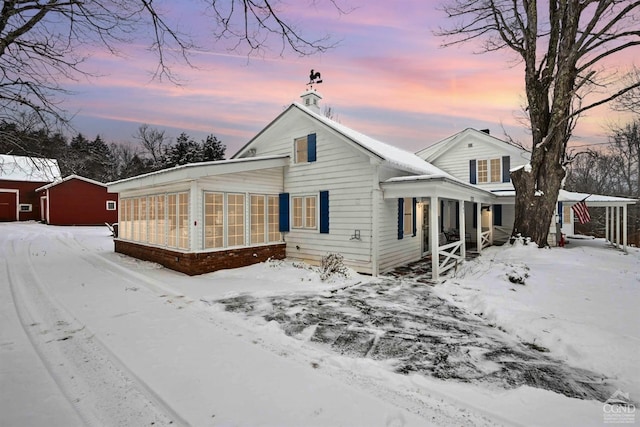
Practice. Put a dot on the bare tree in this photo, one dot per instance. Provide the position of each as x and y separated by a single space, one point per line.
44 43
630 101
567 48
153 141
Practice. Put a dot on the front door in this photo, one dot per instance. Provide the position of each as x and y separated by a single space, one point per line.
425 229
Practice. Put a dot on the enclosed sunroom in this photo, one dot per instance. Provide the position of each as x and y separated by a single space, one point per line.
203 217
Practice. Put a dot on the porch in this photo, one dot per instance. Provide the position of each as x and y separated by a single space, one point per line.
452 217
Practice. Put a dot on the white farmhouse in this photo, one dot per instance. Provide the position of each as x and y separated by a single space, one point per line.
306 186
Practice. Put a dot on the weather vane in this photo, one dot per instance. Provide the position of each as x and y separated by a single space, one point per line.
314 78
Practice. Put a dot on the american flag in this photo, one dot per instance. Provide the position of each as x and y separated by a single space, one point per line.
582 212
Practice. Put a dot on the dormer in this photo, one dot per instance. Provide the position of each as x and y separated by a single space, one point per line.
311 99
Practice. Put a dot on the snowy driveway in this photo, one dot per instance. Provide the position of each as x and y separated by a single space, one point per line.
402 321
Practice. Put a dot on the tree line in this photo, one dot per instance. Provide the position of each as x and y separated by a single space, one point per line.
150 150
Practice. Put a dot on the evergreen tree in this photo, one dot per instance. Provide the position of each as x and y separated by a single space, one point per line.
212 149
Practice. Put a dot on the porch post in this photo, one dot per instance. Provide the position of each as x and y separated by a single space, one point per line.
606 223
462 229
196 220
624 228
478 214
617 227
434 233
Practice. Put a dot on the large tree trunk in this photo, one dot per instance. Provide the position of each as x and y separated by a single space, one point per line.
536 195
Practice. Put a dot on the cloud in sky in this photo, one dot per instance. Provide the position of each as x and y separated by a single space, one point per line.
388 78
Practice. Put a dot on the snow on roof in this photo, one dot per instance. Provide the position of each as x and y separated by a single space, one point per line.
570 196
30 169
68 178
199 166
395 156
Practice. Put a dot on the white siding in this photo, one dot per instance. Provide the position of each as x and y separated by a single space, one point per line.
342 170
394 251
456 159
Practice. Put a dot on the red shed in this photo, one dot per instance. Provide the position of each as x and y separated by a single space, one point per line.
19 178
76 200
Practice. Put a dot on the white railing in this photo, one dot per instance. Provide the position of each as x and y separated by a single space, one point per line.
450 255
485 239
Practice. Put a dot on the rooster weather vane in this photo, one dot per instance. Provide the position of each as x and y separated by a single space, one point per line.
314 78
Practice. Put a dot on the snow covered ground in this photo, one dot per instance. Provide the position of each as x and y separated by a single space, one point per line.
90 337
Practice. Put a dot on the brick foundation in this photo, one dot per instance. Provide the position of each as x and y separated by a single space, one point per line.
201 262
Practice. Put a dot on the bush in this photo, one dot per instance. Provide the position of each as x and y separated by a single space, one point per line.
332 264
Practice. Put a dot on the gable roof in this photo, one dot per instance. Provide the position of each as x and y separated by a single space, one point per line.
433 152
28 169
68 178
394 156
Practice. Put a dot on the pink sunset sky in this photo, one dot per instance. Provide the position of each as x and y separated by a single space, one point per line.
388 78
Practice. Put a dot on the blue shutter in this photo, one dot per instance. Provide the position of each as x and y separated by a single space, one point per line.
400 218
283 216
475 215
441 215
506 165
415 224
457 215
324 212
497 215
311 147
472 171
560 213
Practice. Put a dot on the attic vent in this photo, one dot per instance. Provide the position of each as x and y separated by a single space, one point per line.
487 131
470 145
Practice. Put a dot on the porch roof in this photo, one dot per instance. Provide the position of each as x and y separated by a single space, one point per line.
193 171
436 185
594 200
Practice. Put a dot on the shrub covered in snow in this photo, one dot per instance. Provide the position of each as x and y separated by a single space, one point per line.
332 264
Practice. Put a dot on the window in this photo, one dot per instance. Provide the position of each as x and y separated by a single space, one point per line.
297 212
183 220
151 218
136 219
567 213
161 220
408 216
235 219
143 219
305 149
273 218
172 213
213 220
304 212
489 171
482 171
111 205
301 150
26 207
258 220
495 170
124 230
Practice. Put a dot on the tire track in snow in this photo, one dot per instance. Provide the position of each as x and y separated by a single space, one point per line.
95 382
